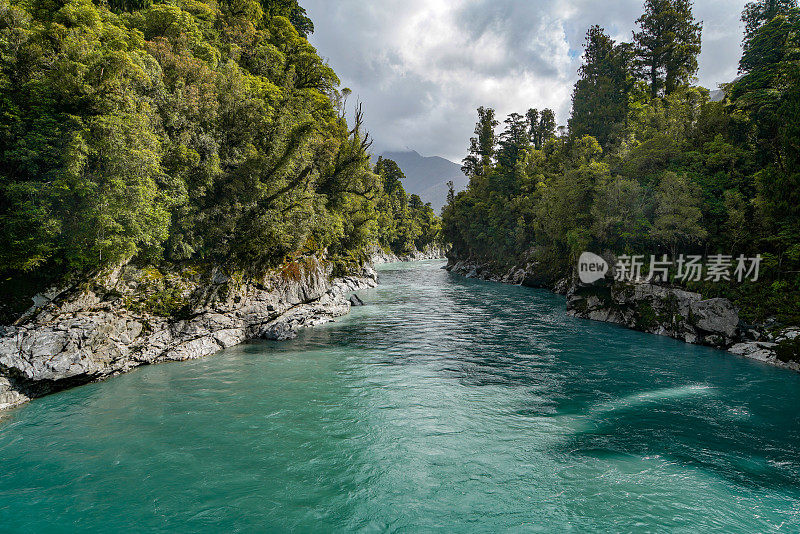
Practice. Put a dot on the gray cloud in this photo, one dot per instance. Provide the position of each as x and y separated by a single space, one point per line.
422 67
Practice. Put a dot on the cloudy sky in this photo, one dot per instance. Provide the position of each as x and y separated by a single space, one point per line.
422 67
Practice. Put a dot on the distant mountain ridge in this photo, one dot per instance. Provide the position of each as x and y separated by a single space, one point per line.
428 176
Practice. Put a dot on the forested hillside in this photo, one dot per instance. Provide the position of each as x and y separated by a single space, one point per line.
177 131
648 164
405 223
429 176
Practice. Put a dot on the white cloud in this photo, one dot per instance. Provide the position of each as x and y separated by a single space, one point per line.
422 67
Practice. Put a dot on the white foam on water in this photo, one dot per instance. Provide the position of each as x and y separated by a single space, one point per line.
599 412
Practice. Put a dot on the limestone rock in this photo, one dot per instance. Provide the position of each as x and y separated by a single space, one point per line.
431 252
717 316
658 310
761 351
652 308
74 338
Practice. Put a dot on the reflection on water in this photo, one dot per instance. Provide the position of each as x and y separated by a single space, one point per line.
444 404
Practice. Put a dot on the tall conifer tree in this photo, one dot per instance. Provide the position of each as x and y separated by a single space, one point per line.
667 44
600 98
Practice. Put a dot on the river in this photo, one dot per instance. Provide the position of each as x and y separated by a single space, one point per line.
444 404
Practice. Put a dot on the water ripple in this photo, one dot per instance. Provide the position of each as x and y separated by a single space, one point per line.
444 404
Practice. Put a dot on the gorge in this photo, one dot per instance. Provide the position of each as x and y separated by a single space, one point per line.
191 183
444 403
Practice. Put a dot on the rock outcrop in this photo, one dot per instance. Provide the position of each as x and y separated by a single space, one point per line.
529 275
431 252
134 317
658 310
684 315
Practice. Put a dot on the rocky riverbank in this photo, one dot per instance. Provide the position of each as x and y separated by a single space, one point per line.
656 309
432 252
131 317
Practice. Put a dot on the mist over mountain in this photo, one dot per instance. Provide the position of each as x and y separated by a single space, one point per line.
428 176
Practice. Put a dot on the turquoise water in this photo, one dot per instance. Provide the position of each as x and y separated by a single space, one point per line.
445 404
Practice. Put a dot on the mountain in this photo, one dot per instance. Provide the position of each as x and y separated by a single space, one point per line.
428 176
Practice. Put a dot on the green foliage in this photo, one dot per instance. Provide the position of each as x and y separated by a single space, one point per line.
756 14
601 96
620 214
292 11
789 350
667 44
514 140
167 302
174 130
483 146
646 317
542 126
677 213
768 93
657 169
405 223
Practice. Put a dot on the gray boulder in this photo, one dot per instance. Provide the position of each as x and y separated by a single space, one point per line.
658 310
134 317
756 350
716 316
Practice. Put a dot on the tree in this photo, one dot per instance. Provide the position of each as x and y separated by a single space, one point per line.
451 192
600 98
291 10
736 224
482 147
405 223
620 214
81 176
542 126
685 172
678 215
128 5
563 216
487 138
769 93
391 174
203 131
758 13
667 44
471 165
533 122
513 141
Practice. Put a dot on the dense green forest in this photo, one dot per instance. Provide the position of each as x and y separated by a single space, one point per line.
405 223
649 164
181 131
